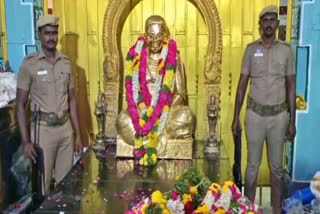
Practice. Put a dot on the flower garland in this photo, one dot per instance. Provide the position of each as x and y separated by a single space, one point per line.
149 113
193 194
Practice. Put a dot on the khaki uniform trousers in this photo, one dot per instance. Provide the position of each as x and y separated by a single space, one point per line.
272 129
57 145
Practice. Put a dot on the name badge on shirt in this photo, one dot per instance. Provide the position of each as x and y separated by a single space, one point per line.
258 53
42 72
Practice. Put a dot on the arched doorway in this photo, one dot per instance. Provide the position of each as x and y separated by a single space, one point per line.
114 19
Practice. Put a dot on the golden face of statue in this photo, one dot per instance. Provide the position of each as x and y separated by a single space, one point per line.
156 30
155 36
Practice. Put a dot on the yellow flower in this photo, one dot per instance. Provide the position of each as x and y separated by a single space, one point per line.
166 211
194 191
153 140
250 212
142 122
226 186
178 178
144 208
220 211
141 162
154 158
128 67
166 42
149 111
215 188
145 157
225 189
137 58
138 143
142 105
169 78
158 198
186 198
166 108
160 67
204 209
136 67
229 183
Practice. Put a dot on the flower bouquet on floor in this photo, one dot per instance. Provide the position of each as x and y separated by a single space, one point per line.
193 193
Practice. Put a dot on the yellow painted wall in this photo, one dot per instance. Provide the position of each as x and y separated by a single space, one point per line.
81 39
3 36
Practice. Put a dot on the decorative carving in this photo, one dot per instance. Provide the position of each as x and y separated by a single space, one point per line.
213 70
111 68
114 19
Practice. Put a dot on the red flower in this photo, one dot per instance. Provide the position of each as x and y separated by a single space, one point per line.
188 207
175 196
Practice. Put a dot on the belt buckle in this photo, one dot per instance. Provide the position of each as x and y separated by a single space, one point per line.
51 115
60 114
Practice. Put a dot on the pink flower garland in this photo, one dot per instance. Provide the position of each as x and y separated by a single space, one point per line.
165 97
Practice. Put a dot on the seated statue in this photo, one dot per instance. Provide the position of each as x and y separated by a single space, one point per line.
156 94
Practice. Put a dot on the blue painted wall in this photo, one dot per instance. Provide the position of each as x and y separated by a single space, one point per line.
21 36
306 42
1 55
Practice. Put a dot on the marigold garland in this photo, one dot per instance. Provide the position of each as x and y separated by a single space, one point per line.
149 113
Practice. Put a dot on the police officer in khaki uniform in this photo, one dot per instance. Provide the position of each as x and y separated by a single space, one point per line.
270 65
46 76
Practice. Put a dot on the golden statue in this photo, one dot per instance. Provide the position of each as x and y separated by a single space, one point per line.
213 110
100 112
300 103
156 94
213 116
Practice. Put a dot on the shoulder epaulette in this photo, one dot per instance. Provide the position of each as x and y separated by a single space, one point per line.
284 43
253 43
29 56
65 57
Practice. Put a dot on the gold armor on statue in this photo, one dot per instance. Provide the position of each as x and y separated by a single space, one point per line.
180 124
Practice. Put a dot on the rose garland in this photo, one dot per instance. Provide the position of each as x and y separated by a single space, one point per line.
149 113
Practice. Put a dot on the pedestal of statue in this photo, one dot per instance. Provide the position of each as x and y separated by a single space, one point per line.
173 149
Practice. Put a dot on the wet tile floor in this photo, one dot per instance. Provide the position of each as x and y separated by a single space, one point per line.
109 185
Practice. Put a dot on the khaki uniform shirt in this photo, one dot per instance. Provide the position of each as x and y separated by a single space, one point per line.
268 68
48 83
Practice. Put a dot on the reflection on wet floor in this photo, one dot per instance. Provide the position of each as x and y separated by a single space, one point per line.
109 185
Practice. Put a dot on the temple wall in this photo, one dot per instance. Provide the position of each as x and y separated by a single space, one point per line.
81 39
302 155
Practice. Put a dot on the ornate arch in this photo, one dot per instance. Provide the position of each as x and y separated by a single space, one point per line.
114 19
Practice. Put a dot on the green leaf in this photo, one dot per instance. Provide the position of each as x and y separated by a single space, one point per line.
128 78
151 151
